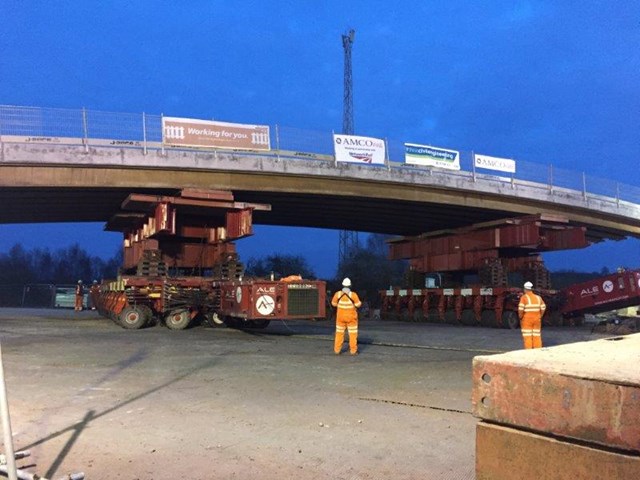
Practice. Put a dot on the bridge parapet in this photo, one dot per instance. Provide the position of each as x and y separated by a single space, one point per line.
107 144
19 150
90 128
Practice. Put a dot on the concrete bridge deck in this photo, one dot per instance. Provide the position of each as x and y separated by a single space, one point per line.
63 182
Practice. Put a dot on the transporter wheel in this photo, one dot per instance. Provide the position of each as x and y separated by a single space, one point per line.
488 318
178 319
468 317
433 316
132 317
214 320
148 315
510 319
114 318
450 317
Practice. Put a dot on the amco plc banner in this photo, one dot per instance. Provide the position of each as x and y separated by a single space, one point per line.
431 156
188 132
350 148
494 163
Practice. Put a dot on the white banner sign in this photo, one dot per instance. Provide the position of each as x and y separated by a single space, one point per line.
350 148
427 155
494 163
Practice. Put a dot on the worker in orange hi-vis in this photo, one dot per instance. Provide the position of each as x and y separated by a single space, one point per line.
79 296
347 303
531 310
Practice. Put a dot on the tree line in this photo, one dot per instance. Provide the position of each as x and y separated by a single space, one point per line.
64 266
367 266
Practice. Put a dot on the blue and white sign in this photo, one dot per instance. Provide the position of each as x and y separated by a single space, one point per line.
354 149
494 163
426 155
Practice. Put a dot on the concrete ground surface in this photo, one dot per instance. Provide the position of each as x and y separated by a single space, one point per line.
218 403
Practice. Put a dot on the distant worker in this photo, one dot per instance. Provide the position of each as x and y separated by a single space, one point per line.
531 310
346 303
79 296
94 290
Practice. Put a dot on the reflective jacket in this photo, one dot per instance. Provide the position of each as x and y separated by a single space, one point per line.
531 306
346 303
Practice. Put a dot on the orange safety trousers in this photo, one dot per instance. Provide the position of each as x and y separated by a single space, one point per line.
79 301
350 324
346 303
530 325
531 308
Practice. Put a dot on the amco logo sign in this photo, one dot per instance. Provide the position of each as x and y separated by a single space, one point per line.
359 142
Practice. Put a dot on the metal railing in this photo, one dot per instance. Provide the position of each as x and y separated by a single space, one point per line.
145 130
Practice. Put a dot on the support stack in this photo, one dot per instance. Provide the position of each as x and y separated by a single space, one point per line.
564 412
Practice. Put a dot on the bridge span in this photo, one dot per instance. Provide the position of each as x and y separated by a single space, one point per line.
50 182
53 170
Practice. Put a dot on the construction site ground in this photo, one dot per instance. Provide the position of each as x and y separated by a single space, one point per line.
218 403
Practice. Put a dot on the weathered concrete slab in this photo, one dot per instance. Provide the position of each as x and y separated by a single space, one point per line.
504 453
97 166
588 391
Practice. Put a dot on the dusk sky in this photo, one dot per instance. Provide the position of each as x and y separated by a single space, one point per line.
551 82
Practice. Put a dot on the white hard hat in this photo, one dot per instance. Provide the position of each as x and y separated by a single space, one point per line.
528 285
79 281
346 282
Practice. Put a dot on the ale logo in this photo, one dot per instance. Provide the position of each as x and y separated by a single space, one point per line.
608 286
265 305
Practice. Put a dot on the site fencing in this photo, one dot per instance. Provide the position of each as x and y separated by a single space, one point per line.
145 131
38 295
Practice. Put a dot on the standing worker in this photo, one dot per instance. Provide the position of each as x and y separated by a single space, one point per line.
79 296
531 310
347 303
94 290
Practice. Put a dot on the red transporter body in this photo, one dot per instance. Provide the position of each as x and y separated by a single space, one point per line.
603 294
260 300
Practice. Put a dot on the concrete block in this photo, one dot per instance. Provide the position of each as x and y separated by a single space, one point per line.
588 391
504 453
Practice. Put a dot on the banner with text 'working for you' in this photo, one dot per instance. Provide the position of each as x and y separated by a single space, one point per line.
188 132
350 148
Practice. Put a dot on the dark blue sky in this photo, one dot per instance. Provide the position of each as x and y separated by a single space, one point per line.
538 81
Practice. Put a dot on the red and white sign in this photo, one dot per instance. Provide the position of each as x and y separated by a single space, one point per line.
353 149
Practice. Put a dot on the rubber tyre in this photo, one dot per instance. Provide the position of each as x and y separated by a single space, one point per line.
434 316
450 317
510 319
468 317
178 319
148 315
132 318
488 319
214 320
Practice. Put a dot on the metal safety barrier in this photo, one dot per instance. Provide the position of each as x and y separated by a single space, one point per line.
144 131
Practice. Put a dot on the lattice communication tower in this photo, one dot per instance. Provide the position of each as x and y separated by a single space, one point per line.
348 240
